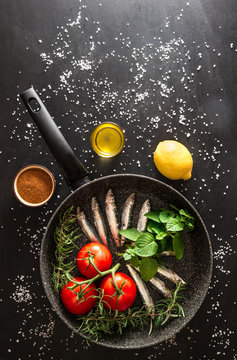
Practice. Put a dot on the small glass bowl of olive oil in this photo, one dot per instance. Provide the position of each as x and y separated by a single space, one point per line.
107 139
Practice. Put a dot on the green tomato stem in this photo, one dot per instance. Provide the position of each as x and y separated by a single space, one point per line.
90 281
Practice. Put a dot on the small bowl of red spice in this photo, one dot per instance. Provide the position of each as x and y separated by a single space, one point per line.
34 185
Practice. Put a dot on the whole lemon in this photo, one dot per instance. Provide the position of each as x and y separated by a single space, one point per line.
173 160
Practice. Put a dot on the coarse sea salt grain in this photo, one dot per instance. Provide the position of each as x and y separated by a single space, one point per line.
21 294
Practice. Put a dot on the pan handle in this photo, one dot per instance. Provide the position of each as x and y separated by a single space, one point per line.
72 168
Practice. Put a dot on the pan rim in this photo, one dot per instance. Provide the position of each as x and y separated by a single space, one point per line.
187 318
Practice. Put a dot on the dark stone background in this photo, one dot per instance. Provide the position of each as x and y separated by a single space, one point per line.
162 70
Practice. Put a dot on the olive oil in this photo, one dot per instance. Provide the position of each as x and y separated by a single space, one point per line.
107 139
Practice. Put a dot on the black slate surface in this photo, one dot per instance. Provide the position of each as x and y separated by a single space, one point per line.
161 70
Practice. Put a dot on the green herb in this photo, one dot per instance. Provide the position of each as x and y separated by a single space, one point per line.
148 268
164 232
128 254
135 261
146 245
174 224
153 215
65 236
103 321
178 246
164 216
130 234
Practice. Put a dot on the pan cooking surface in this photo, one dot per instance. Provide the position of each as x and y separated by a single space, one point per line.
195 267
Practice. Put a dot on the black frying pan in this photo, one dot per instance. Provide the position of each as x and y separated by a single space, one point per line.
195 267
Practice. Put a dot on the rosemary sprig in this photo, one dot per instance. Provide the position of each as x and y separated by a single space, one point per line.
65 236
103 321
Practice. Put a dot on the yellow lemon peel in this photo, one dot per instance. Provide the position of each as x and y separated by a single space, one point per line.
173 160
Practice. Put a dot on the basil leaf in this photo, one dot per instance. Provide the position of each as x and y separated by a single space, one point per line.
130 234
166 215
153 215
148 268
146 236
189 224
145 245
134 261
127 256
155 227
161 235
163 244
182 212
185 213
178 246
150 225
174 225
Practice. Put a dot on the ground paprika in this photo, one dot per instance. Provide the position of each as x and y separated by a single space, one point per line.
34 185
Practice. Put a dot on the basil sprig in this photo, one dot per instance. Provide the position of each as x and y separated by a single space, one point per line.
164 232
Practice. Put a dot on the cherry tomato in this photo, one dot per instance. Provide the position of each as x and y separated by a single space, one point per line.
101 256
128 291
85 303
